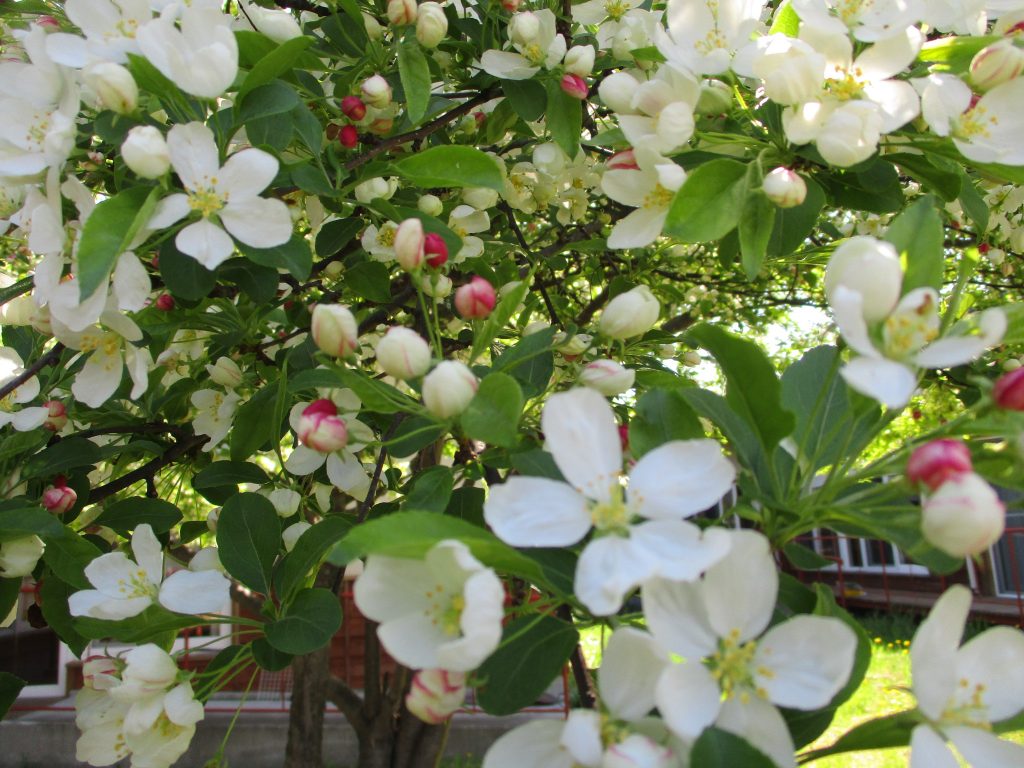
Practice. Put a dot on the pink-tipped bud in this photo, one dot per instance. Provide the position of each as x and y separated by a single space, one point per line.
402 12
435 694
996 64
58 498
409 243
348 136
964 516
57 416
511 5
785 188
376 91
165 302
575 86
607 377
623 161
49 23
353 108
100 673
1009 390
320 427
435 249
334 329
475 299
934 463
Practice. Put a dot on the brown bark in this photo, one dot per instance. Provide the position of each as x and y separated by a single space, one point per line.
306 716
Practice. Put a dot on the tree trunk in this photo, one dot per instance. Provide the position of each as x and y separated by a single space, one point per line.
306 716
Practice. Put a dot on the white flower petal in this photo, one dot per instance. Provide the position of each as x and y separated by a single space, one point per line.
131 283
887 381
537 512
677 549
205 242
640 228
196 592
390 587
507 65
688 699
631 664
993 664
181 706
258 221
536 743
677 618
413 640
168 211
246 173
762 725
581 736
740 590
193 153
304 461
808 659
934 647
347 473
928 750
982 749
608 569
679 479
149 552
99 378
580 430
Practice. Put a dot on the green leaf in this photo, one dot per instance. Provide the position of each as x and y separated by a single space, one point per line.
10 687
248 538
662 415
741 435
348 34
755 231
371 280
308 623
530 361
720 749
882 733
53 599
183 276
786 21
412 534
228 474
192 529
309 551
295 256
259 283
415 76
955 53
451 166
708 205
493 413
973 204
335 235
146 627
68 554
273 98
108 232
532 653
28 521
375 395
430 490
59 458
536 463
253 425
918 236
274 64
268 657
752 388
527 98
564 118
793 225
308 127
507 306
414 434
126 515
946 184
467 503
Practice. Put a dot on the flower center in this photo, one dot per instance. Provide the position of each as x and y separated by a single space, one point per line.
615 9
534 54
611 516
445 610
138 585
845 84
966 706
659 197
974 122
207 201
849 10
731 666
386 237
907 331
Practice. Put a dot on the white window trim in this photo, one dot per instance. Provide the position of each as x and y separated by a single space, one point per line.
994 559
844 543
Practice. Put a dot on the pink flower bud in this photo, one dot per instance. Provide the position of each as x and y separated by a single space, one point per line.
320 427
403 353
936 462
607 377
100 673
348 136
435 694
1009 390
435 249
623 161
165 302
785 188
409 242
353 108
964 516
48 23
575 86
475 299
334 329
996 64
511 5
58 498
57 417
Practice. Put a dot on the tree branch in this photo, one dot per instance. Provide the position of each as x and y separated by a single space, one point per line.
348 703
302 5
48 359
148 471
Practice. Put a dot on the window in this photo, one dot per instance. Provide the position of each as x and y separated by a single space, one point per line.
1008 557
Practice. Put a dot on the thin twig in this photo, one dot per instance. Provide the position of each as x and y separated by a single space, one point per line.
48 359
146 472
371 494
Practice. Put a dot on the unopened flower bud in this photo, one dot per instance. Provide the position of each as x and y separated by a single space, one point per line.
435 249
630 314
435 285
475 299
607 377
353 108
574 346
574 86
996 64
372 189
937 461
511 5
870 267
617 91
435 694
164 302
211 519
320 427
58 498
348 136
225 372
18 557
401 12
409 244
113 85
382 126
145 152
100 673
623 161
403 353
431 205
374 30
376 91
1009 390
523 28
448 389
334 329
285 500
785 188
579 60
715 98
691 358
291 534
964 516
431 25
57 417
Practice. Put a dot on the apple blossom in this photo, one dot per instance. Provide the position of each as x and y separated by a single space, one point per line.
1008 391
650 189
201 57
334 329
607 377
403 353
443 611
629 314
579 60
671 482
113 85
871 267
449 388
279 25
537 45
408 245
225 372
26 418
436 285
792 70
215 414
574 86
435 694
785 188
56 415
435 249
372 189
937 461
465 220
145 151
430 205
18 557
58 498
401 12
962 690
996 64
702 38
320 427
431 24
353 108
963 516
475 299
291 534
286 501
376 92
344 469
